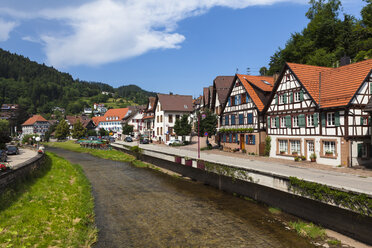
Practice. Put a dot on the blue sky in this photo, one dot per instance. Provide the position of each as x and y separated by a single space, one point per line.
159 45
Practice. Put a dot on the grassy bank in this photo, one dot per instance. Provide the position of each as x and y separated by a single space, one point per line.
53 208
105 154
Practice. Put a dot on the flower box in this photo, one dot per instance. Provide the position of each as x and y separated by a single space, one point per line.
177 159
313 159
282 152
200 165
188 162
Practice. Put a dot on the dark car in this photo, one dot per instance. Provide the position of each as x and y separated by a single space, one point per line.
12 150
3 156
128 139
144 141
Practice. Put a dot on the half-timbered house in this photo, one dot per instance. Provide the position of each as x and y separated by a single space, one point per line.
319 111
221 87
242 120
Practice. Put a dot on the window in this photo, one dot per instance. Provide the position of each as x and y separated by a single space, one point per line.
170 118
363 120
362 151
177 117
157 119
250 139
282 99
250 118
243 97
310 120
297 96
157 131
232 101
295 146
227 120
330 119
161 118
295 121
329 147
161 131
241 119
283 146
273 122
282 122
229 102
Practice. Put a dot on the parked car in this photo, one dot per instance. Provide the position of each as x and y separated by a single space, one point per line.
3 156
145 141
12 150
128 139
173 142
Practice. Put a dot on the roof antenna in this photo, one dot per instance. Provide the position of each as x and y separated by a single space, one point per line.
236 70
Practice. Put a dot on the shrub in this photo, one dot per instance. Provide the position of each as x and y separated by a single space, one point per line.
267 146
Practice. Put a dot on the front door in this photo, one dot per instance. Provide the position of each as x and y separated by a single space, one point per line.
242 143
310 149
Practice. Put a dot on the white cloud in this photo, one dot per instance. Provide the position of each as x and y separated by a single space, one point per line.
104 31
5 29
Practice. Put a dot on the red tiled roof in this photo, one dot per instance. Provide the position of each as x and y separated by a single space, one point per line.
33 119
97 119
258 81
338 85
113 113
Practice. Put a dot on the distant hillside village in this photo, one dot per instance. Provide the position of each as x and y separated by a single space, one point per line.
304 111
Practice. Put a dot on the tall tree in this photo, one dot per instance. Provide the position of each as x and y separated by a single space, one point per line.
62 130
127 129
4 133
182 126
78 130
208 124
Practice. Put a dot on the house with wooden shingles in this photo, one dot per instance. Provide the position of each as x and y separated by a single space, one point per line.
321 111
242 120
168 108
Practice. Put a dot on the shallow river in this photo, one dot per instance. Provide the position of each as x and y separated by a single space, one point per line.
138 207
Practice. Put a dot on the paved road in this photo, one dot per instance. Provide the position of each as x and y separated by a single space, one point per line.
138 207
330 178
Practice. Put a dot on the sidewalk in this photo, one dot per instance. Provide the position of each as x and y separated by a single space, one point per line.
333 178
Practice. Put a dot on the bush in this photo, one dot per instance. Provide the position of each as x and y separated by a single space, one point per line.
267 146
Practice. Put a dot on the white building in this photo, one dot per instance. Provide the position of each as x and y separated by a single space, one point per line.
112 121
168 108
35 125
135 119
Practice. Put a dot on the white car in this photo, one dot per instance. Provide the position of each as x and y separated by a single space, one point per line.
174 141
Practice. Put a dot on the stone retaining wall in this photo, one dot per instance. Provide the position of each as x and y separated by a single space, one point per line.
22 171
272 190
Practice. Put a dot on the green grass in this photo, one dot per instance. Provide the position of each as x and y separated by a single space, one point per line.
52 208
308 230
334 242
105 154
274 210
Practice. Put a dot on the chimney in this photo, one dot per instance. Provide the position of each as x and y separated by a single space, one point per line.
276 76
345 60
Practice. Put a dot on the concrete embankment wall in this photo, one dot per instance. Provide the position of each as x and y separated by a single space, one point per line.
272 190
22 171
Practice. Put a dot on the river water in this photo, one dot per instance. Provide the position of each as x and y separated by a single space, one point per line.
137 207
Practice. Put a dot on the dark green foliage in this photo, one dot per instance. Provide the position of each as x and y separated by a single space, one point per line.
51 129
127 129
62 130
267 146
103 132
208 124
4 133
134 93
327 37
182 127
92 132
78 130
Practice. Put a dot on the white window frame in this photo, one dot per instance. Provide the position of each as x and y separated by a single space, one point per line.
329 146
282 122
295 121
297 96
331 119
281 99
283 146
310 120
295 146
273 120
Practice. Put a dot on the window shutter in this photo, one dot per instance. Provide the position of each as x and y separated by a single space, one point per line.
361 121
285 98
323 119
337 119
226 120
276 99
232 119
246 97
315 119
229 103
224 137
230 137
253 139
360 147
241 119
301 120
288 121
246 139
370 88
291 97
250 119
277 121
236 138
301 95
268 121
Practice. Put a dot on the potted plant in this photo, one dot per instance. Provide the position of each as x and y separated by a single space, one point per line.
177 159
303 158
200 164
244 151
3 167
282 152
188 161
297 159
313 157
329 153
294 153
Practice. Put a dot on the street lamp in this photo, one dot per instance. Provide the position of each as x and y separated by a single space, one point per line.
203 116
37 140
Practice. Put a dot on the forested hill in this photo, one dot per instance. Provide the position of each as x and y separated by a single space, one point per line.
327 37
39 88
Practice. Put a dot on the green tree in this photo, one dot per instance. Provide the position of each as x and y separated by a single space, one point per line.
4 133
78 130
62 130
208 124
92 132
263 71
51 129
103 132
127 129
182 126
